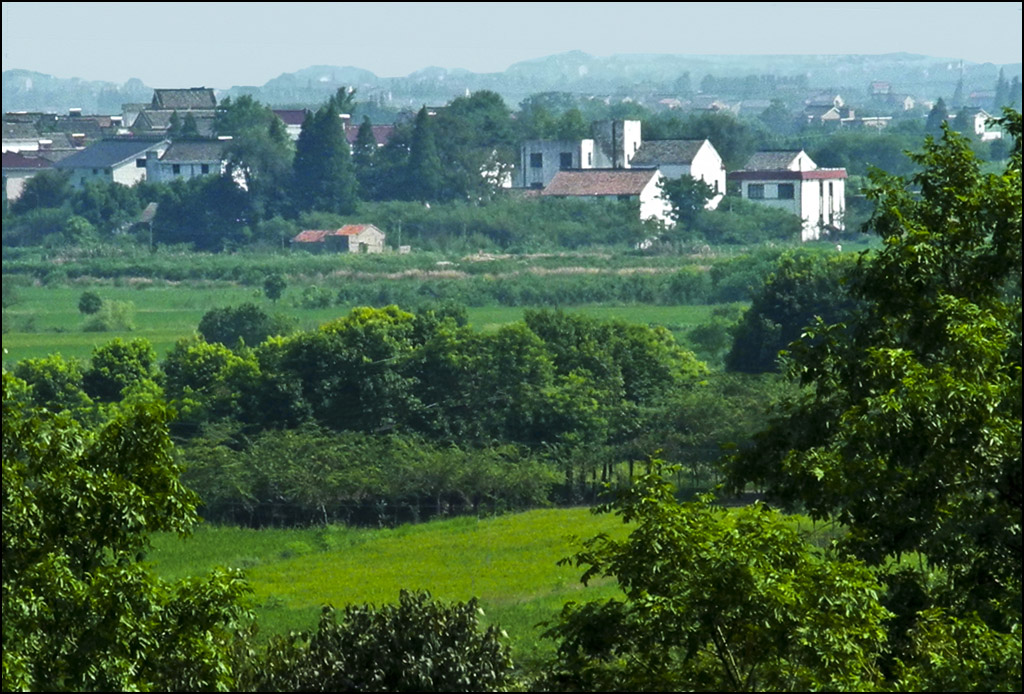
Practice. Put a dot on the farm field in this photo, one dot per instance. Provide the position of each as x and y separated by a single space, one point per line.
508 562
46 320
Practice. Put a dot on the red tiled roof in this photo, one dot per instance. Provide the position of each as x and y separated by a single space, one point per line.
381 133
318 235
600 182
291 116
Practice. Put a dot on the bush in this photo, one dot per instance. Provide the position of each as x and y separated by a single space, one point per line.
418 645
90 303
112 316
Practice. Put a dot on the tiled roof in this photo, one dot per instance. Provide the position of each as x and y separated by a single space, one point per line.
160 121
195 150
107 153
587 182
381 133
291 116
17 160
318 235
775 160
184 99
655 152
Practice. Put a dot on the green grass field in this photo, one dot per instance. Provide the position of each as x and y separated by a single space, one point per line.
508 562
46 320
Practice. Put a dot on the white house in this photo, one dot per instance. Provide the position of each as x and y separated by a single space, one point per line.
791 181
17 169
675 158
612 146
119 160
540 160
186 159
638 186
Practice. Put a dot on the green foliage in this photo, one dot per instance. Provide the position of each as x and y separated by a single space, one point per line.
716 601
804 288
47 189
424 178
418 645
80 612
323 176
117 366
274 286
688 197
247 323
54 383
90 303
911 435
112 316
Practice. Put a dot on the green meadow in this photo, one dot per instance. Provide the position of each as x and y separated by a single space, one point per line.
508 562
45 319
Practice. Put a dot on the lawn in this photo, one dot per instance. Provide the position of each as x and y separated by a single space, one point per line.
508 562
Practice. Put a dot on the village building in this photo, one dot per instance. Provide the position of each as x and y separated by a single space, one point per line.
640 187
118 160
791 181
351 238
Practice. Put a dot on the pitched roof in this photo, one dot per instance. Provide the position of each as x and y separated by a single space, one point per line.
107 153
195 150
587 182
319 235
160 120
295 116
20 130
17 160
774 160
184 99
655 152
381 133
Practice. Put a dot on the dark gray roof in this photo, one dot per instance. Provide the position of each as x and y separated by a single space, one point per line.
107 153
204 151
160 121
20 131
184 99
655 152
775 160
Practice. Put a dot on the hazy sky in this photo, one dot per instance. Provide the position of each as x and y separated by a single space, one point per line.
221 45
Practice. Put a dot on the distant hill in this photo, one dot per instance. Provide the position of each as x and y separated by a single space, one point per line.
619 75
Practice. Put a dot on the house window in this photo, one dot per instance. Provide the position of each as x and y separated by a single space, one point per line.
205 168
176 169
140 163
624 198
565 160
830 188
785 191
536 160
755 191
537 185
590 158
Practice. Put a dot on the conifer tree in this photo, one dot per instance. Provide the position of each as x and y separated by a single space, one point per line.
323 176
424 175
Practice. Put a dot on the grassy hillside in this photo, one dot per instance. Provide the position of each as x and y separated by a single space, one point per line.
509 562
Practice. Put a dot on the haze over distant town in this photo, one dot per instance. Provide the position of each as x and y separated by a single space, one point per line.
226 44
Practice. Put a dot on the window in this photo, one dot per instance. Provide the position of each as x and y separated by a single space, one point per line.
205 168
590 158
785 191
565 160
176 169
624 198
536 160
140 163
755 191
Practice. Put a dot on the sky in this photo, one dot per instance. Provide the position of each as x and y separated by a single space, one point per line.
226 44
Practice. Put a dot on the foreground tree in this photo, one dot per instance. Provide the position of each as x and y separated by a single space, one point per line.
80 611
716 601
418 645
911 434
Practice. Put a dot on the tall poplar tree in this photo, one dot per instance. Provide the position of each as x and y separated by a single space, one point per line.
323 177
425 179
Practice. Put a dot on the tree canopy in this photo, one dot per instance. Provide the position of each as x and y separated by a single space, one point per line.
911 434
